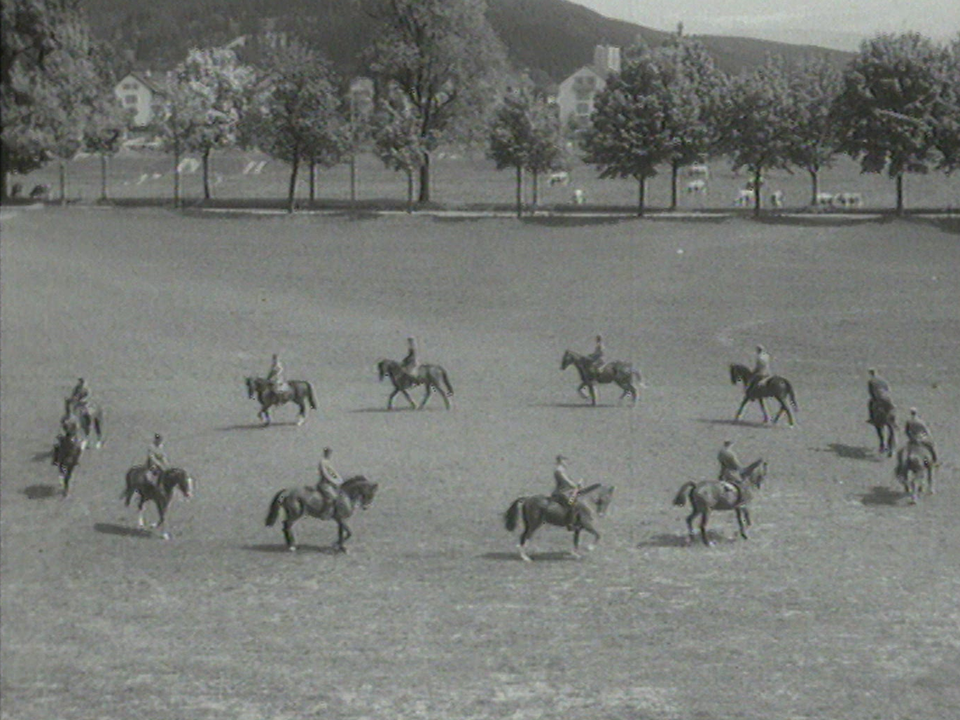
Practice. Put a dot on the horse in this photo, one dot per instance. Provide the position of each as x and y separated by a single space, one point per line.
539 509
774 386
711 495
300 392
913 462
883 417
66 456
88 416
433 376
621 373
159 492
297 502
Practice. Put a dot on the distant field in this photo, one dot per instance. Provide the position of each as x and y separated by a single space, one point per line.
461 180
841 606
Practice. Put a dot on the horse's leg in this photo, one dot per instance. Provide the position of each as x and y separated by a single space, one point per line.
426 395
446 400
742 406
703 528
690 518
530 526
581 391
785 408
288 535
264 415
929 466
763 409
576 542
593 394
140 506
303 413
343 534
742 522
879 429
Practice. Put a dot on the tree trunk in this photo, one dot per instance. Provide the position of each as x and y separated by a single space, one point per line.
206 173
409 190
536 190
62 171
899 194
757 191
425 179
4 173
103 177
292 190
176 174
313 181
641 195
674 173
519 191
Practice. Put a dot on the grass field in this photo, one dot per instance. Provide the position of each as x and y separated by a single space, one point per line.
842 605
468 180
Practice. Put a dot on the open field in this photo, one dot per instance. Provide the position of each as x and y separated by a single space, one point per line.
842 605
461 180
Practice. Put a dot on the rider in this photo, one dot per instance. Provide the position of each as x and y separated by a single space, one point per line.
329 483
879 391
730 468
275 376
565 490
597 358
411 364
156 459
761 367
77 399
918 432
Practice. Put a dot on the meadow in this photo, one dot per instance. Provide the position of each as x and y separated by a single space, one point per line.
842 604
465 180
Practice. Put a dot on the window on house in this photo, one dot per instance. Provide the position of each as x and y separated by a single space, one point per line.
583 108
130 100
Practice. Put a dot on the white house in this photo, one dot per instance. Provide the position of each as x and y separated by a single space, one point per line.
140 93
576 94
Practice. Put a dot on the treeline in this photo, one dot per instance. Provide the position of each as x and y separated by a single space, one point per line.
440 75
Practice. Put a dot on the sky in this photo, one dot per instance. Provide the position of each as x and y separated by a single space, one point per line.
840 24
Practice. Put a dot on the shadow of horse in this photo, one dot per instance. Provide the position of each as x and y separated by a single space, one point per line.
736 423
122 530
41 492
257 426
851 452
882 495
548 556
41 456
669 540
272 548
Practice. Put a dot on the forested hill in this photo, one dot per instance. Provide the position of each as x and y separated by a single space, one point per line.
548 38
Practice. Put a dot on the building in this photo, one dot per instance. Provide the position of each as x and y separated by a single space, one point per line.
140 93
576 94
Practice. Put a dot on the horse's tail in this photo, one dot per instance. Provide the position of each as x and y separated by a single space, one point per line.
793 398
512 514
683 493
311 398
275 506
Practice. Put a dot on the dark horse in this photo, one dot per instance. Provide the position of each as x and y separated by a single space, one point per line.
300 392
539 509
883 416
66 456
618 372
297 502
711 495
159 492
773 386
88 417
433 376
913 462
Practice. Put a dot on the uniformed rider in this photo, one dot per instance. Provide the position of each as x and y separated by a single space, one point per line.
730 468
156 459
328 483
275 376
917 431
565 490
411 362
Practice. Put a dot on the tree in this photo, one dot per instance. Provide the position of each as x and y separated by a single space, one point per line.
443 57
397 139
753 121
691 89
297 114
629 135
889 107
812 134
46 77
213 86
947 126
525 135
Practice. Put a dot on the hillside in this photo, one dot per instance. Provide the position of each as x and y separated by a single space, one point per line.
548 38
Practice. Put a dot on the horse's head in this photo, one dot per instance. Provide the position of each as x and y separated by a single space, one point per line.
569 357
369 489
251 386
602 499
361 490
740 373
185 485
755 473
382 369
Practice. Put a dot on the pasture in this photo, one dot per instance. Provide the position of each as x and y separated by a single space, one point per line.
842 604
464 179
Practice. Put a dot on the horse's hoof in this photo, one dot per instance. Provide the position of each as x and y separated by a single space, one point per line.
525 557
164 536
292 548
